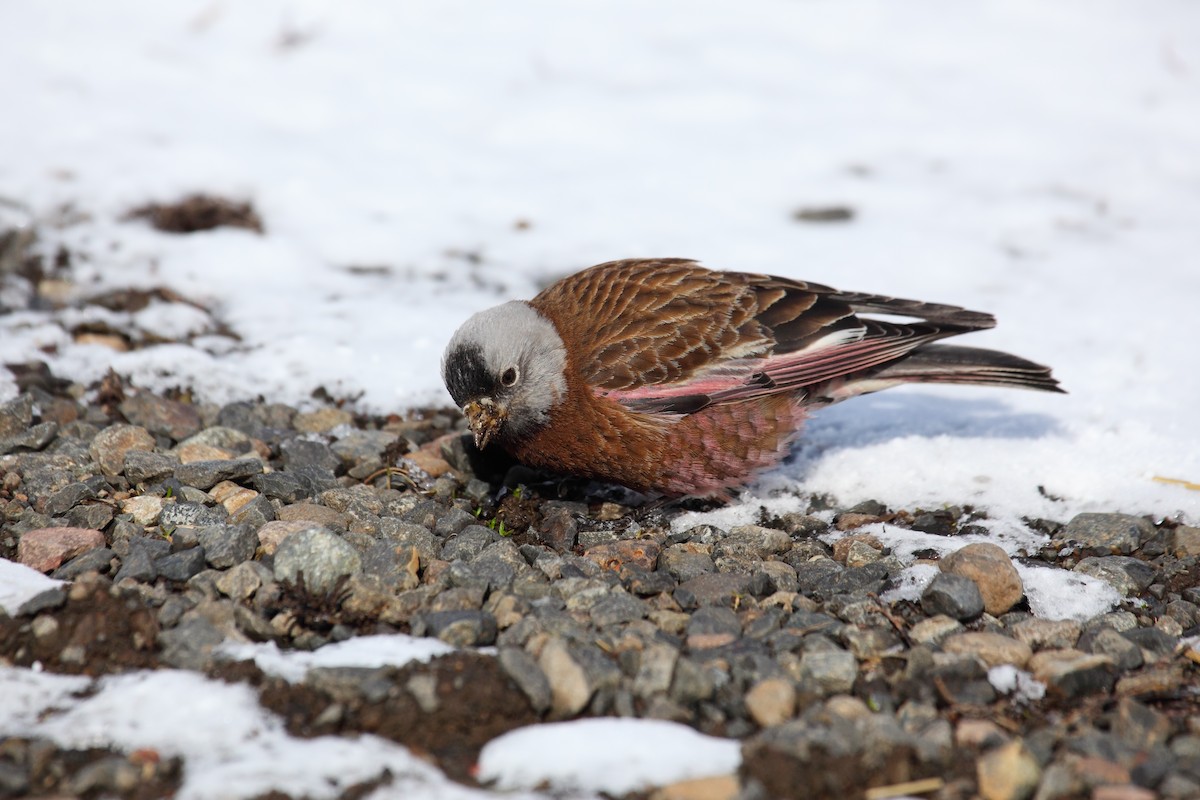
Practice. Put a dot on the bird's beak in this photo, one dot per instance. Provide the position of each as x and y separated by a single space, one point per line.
485 416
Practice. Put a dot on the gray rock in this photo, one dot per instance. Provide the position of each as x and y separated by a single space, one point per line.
110 446
459 628
1157 643
241 581
190 515
454 521
161 415
181 566
255 514
141 466
68 497
285 486
617 608
1125 654
227 545
301 453
1103 534
467 543
90 515
558 528
139 565
190 644
713 589
1127 575
528 676
752 541
98 560
713 626
826 672
322 557
35 438
206 474
683 562
953 595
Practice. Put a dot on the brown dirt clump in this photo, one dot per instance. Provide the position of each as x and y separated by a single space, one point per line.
199 212
93 633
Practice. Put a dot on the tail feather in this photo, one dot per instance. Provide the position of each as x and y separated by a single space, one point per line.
940 363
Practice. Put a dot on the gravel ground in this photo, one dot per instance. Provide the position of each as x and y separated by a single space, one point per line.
183 525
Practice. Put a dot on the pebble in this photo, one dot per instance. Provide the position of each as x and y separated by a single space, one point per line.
954 596
826 672
227 545
1104 534
206 474
771 701
570 690
1070 673
992 571
1041 634
140 466
934 629
1129 576
1009 772
160 415
47 549
321 556
993 649
110 446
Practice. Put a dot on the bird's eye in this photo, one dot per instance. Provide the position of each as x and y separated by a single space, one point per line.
509 377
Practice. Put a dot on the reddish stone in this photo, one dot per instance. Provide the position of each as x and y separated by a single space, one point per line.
46 549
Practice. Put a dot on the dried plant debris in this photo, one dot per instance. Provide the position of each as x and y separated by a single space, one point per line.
199 212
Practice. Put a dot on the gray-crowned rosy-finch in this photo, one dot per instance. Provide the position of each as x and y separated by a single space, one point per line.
668 377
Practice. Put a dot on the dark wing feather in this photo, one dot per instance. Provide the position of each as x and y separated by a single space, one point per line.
669 336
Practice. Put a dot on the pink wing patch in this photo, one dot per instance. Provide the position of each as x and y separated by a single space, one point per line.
743 379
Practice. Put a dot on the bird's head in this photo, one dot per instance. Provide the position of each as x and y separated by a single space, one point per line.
506 369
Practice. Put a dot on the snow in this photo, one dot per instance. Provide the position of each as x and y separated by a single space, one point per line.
231 746
620 756
415 163
361 651
19 583
1023 687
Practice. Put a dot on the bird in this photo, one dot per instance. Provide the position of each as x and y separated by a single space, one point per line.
676 380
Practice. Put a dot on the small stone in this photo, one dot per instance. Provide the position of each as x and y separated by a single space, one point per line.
841 548
713 626
273 533
206 474
227 545
1127 791
771 701
241 581
826 672
314 514
558 529
465 628
161 415
46 549
144 509
1041 634
181 566
1125 654
714 589
190 515
849 520
35 438
993 649
656 667
934 629
1070 673
642 553
110 446
992 571
953 595
528 676
1127 575
753 541
1010 772
1103 534
322 420
861 554
140 466
686 561
569 687
321 556
98 560
618 608
1185 541
301 453
67 498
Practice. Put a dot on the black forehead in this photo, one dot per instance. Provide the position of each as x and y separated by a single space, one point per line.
467 376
